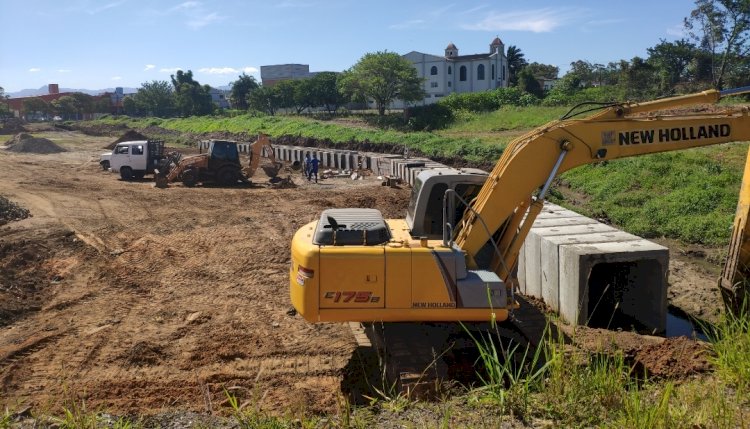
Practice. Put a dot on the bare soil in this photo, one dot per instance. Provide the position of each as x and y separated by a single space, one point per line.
151 300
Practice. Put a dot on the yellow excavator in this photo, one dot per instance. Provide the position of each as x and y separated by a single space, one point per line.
354 265
220 164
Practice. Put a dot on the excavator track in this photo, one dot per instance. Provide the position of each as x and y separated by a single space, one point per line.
423 360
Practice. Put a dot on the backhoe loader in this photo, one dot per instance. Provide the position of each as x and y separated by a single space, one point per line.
220 164
354 265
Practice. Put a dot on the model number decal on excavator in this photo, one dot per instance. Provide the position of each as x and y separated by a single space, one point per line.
666 135
352 296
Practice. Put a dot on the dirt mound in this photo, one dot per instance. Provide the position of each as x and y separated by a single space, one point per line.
127 137
10 211
27 143
12 126
144 354
674 358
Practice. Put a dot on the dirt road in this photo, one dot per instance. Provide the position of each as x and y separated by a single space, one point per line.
144 299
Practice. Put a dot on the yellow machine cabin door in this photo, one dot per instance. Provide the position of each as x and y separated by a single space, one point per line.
352 279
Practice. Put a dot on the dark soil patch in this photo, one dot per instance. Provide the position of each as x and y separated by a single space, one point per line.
144 354
12 126
26 143
10 211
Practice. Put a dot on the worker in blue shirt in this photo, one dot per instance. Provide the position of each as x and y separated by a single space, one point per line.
313 170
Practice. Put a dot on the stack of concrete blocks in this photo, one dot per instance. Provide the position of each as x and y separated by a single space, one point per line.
562 250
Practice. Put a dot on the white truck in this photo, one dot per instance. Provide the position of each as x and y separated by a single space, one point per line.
134 159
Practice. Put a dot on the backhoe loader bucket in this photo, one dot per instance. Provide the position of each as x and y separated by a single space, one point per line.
160 181
272 170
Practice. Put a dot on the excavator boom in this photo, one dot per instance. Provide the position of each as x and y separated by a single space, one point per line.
353 265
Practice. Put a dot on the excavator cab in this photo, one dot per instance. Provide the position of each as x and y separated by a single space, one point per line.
222 152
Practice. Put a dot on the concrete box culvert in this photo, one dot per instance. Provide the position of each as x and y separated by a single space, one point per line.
626 280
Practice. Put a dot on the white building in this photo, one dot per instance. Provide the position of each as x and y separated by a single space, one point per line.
459 73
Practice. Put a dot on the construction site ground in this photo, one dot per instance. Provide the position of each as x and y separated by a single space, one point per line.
146 301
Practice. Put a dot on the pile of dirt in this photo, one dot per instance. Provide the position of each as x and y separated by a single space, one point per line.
12 126
27 143
10 211
674 358
129 136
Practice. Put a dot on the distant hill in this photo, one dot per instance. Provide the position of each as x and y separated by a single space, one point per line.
43 91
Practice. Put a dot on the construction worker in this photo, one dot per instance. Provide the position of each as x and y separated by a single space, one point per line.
306 167
313 168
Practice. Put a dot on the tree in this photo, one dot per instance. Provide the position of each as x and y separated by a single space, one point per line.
240 90
4 108
546 71
325 91
671 61
516 62
84 103
529 83
286 91
36 105
383 77
722 28
264 99
191 99
638 79
66 106
155 98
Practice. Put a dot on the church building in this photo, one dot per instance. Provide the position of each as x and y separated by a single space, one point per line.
459 73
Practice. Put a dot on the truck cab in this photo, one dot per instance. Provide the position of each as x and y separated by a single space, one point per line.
135 159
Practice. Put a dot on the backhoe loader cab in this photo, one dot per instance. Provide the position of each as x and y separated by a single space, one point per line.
425 213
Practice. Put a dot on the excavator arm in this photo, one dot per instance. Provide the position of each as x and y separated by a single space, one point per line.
508 203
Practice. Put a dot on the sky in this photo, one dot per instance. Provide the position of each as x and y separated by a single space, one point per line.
87 44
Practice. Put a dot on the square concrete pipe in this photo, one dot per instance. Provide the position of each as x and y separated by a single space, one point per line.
550 261
611 285
532 246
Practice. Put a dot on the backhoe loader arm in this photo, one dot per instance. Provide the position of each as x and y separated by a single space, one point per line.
532 161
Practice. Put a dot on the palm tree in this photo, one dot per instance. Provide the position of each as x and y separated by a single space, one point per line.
516 62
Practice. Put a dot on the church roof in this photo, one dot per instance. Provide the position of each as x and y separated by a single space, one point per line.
497 41
469 57
451 46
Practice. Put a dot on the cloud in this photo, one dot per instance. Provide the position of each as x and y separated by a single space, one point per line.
116 77
64 70
34 70
408 24
227 70
295 4
149 67
187 5
169 70
474 9
200 21
536 21
218 70
105 7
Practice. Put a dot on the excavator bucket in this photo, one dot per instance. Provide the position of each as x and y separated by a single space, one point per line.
272 169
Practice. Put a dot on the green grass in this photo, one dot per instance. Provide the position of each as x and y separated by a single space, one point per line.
689 195
573 389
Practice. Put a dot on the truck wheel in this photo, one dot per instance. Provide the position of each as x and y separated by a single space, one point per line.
105 165
227 176
189 177
126 173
